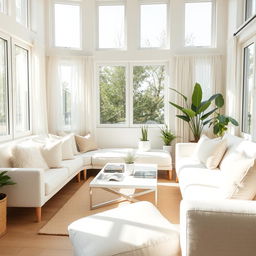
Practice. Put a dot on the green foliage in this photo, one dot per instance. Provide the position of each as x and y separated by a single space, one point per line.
167 135
144 133
5 179
130 158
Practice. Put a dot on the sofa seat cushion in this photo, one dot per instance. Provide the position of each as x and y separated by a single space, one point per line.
55 178
73 165
135 229
186 163
87 157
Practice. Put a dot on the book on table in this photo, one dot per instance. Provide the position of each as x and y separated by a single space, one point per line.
145 174
114 168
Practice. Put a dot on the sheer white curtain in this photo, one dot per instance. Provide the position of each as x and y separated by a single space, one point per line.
206 70
77 74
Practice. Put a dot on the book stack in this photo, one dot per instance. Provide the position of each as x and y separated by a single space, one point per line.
145 174
114 168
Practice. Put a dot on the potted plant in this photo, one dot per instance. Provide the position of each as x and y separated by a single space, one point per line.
167 136
4 181
196 114
144 143
129 162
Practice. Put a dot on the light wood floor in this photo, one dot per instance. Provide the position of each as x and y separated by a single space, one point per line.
22 238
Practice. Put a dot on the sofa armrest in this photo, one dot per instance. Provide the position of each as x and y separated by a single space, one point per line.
223 228
185 149
29 190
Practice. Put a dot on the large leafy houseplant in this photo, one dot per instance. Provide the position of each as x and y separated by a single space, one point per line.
196 114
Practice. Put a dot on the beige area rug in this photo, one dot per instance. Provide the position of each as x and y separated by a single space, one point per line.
78 206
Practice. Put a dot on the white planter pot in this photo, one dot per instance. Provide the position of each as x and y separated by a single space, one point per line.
167 149
129 169
144 145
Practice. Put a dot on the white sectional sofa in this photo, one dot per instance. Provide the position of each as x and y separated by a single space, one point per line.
35 186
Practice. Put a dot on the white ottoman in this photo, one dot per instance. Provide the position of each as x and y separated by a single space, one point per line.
136 229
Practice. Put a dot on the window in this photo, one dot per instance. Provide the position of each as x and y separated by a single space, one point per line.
22 12
67 25
199 18
250 8
131 94
111 25
248 87
153 25
3 6
22 111
4 101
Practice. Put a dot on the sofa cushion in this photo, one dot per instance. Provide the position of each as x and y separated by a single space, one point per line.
85 143
52 153
5 156
87 157
186 163
54 178
73 165
135 229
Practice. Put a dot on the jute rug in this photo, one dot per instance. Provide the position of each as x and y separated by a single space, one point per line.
78 206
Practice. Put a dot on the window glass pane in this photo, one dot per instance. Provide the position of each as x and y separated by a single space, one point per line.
22 90
111 26
112 83
198 24
67 25
4 122
22 12
248 89
153 25
250 8
148 94
3 6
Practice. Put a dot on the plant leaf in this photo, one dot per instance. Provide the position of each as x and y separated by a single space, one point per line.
197 95
204 105
185 118
184 97
214 96
233 121
208 114
207 121
176 106
219 101
188 112
216 129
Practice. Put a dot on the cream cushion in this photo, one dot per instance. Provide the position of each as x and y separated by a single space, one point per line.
210 151
73 165
28 155
5 157
52 153
135 229
85 143
239 175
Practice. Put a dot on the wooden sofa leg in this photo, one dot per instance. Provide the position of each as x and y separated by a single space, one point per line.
78 177
177 180
170 174
38 211
85 174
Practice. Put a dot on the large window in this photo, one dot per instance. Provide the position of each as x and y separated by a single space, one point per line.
3 6
4 101
131 94
22 12
21 69
67 25
199 23
248 88
111 26
250 8
153 25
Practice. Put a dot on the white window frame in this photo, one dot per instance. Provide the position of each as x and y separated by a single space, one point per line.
213 29
9 90
110 3
6 7
52 23
27 24
129 93
245 11
168 25
18 43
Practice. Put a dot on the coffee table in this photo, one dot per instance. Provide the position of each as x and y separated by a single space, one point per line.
145 183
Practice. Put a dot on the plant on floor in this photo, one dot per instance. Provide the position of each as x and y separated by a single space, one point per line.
196 114
144 133
167 136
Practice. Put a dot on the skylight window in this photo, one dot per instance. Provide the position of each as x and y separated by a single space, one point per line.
198 24
67 31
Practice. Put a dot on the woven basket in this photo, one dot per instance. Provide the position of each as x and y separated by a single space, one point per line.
3 206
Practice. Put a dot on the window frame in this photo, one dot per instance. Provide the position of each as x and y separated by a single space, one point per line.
6 7
245 13
27 23
213 28
168 23
110 3
28 132
129 93
52 24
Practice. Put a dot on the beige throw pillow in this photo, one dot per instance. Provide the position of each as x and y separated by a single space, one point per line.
28 155
63 134
52 153
85 143
210 151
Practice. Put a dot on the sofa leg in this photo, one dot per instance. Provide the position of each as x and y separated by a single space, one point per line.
85 174
78 177
38 211
177 180
170 174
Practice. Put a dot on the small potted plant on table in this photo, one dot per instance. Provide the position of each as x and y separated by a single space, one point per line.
167 137
129 162
144 143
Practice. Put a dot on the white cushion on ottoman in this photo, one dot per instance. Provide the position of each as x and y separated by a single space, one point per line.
136 229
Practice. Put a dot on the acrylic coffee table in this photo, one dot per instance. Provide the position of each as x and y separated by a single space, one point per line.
146 181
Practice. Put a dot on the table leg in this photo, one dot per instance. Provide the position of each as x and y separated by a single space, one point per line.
90 198
156 196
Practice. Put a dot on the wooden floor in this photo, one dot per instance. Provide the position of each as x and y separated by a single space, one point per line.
22 238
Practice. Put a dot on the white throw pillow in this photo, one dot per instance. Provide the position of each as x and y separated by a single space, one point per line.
85 143
239 176
210 151
28 155
63 134
52 153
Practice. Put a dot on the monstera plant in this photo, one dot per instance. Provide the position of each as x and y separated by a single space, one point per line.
197 113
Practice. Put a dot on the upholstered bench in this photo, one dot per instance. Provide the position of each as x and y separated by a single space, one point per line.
135 229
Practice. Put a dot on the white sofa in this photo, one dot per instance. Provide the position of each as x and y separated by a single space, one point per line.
211 224
34 187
